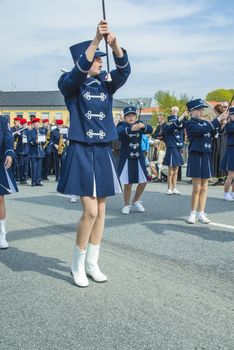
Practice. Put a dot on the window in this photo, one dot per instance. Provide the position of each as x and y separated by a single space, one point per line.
45 115
58 115
31 115
19 115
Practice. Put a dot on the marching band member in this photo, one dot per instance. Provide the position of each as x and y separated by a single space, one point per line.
132 168
7 181
227 163
57 144
199 167
88 169
47 148
173 136
37 139
22 151
15 131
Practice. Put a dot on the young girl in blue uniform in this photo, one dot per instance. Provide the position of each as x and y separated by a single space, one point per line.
7 181
88 169
227 163
200 133
173 136
132 167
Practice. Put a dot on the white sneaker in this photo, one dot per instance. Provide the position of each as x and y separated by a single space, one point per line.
192 217
126 209
73 199
201 216
175 191
169 191
228 197
137 206
3 242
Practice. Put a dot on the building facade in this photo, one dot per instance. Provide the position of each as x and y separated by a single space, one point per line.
40 104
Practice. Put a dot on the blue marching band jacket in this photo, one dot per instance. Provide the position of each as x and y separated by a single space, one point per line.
200 133
7 181
6 139
229 127
36 148
131 140
22 147
173 132
89 100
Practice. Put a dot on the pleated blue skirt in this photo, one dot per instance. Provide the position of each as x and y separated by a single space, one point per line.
173 157
7 180
132 171
88 170
199 165
227 163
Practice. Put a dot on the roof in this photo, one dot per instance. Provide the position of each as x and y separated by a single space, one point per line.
39 98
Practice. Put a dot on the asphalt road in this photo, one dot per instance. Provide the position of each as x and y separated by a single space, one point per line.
170 286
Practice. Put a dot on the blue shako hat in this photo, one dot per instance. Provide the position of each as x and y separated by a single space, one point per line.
196 104
231 110
130 110
79 49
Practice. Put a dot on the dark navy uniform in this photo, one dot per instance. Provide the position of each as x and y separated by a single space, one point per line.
173 136
227 162
22 153
47 148
200 133
15 167
88 168
58 156
131 168
36 153
7 180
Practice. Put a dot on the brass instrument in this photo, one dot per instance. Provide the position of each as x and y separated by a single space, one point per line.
47 139
61 145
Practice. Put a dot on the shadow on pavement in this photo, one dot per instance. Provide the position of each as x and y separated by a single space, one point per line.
19 261
206 232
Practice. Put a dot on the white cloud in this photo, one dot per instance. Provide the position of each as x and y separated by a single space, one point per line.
169 43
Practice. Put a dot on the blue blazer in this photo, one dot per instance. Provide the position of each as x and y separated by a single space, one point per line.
6 139
229 127
200 133
131 140
89 100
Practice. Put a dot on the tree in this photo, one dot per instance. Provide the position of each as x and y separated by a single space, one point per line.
220 95
166 100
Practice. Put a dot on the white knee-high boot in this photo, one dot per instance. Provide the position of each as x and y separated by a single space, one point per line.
78 267
91 266
3 242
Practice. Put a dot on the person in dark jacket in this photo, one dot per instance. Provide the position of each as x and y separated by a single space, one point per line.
7 180
227 163
37 139
173 136
22 151
132 168
219 147
88 170
200 133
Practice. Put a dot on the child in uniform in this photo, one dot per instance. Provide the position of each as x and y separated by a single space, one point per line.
199 168
132 168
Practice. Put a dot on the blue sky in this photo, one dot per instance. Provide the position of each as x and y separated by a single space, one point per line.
178 45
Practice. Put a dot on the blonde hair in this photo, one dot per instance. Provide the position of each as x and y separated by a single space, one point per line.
161 146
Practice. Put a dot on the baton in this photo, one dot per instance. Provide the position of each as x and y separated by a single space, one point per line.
107 53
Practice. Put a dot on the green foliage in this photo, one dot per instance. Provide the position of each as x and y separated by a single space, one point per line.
166 100
220 95
153 121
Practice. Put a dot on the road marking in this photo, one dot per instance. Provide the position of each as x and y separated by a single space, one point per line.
222 225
